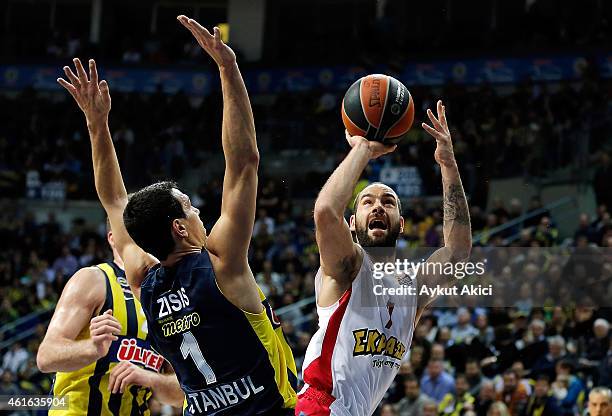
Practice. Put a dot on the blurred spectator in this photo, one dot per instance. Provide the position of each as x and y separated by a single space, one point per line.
499 409
463 331
412 402
513 394
15 358
486 397
542 402
456 403
436 382
474 376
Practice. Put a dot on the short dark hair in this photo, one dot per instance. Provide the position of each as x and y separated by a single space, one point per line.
412 377
148 218
543 377
566 365
460 375
472 360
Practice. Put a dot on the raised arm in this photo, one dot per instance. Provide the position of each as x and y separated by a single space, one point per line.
230 237
94 100
81 299
456 223
340 256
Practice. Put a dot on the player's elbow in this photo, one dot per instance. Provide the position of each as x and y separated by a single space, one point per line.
461 252
248 159
43 360
324 214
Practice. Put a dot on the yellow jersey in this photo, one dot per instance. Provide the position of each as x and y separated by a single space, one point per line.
87 388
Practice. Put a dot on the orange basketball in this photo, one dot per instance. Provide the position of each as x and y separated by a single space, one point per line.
378 107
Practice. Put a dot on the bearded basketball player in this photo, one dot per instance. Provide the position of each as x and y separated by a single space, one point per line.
362 337
205 312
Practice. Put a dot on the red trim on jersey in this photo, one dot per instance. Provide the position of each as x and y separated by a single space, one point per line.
318 374
314 403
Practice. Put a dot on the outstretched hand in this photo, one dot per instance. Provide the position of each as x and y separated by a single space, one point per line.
93 97
223 55
444 154
376 149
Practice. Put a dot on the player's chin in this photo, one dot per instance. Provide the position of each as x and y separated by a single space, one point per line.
377 238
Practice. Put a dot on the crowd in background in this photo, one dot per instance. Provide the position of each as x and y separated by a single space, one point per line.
468 357
532 131
538 355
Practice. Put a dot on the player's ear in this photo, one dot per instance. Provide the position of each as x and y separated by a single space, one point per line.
401 225
352 223
178 228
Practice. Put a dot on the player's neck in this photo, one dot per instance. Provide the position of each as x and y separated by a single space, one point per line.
179 253
119 262
381 254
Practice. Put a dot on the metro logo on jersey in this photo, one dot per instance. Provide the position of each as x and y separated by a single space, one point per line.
373 342
129 350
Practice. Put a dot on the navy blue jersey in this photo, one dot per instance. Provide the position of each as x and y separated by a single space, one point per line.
227 361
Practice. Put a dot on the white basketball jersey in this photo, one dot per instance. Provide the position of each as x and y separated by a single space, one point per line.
357 350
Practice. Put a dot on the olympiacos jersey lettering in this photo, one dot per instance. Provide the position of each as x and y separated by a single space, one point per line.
357 351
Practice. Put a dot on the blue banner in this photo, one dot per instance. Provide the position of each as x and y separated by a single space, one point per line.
473 71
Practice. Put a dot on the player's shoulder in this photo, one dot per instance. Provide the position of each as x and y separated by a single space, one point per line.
87 280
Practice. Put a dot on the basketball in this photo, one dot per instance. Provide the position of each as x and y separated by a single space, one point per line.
378 107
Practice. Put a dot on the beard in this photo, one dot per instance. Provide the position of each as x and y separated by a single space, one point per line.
390 240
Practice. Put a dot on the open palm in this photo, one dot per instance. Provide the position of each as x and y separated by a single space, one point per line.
223 55
93 97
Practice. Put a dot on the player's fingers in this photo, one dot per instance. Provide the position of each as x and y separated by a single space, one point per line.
104 337
433 120
125 382
73 78
200 38
121 371
184 20
112 377
390 149
104 90
71 89
102 316
433 132
106 329
80 70
201 29
443 118
93 72
110 318
115 377
105 320
217 34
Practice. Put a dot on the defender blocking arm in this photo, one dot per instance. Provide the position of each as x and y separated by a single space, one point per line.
93 98
339 254
456 226
241 156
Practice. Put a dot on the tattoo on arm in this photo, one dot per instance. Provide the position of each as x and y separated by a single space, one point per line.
455 205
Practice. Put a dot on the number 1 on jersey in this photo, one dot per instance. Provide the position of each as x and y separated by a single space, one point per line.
190 346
